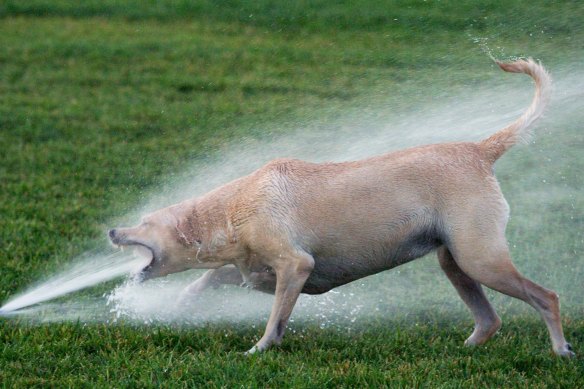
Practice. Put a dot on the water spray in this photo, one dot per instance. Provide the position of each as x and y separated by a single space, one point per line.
91 271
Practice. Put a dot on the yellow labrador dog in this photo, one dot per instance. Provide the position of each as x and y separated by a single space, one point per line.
296 227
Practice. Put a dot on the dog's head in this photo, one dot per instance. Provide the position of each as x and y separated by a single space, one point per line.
170 238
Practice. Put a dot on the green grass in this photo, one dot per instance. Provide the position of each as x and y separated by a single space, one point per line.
99 102
392 354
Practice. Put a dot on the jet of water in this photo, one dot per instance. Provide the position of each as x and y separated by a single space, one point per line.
92 271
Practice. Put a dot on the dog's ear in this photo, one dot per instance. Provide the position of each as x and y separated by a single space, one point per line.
188 230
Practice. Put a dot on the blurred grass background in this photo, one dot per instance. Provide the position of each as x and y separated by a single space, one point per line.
100 101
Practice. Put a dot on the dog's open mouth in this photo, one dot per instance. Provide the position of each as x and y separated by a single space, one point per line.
145 253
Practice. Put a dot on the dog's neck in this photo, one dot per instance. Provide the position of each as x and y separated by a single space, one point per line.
218 240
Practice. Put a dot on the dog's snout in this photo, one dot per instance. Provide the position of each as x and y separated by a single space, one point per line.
112 233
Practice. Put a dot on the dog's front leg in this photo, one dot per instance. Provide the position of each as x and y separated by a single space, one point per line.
227 275
292 270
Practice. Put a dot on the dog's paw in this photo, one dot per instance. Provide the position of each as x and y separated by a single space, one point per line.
483 332
566 351
251 351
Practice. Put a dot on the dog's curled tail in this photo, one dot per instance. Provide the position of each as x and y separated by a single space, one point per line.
520 131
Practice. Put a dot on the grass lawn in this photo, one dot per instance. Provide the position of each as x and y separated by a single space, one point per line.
101 102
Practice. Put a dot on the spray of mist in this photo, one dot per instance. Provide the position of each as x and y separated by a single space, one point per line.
472 116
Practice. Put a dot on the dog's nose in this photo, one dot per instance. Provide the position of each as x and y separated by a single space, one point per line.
112 233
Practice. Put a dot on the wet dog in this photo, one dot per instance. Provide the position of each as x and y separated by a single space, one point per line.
296 227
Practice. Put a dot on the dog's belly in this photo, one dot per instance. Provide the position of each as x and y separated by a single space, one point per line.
331 271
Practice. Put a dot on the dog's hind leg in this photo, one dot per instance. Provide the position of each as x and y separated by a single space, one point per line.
480 250
487 322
